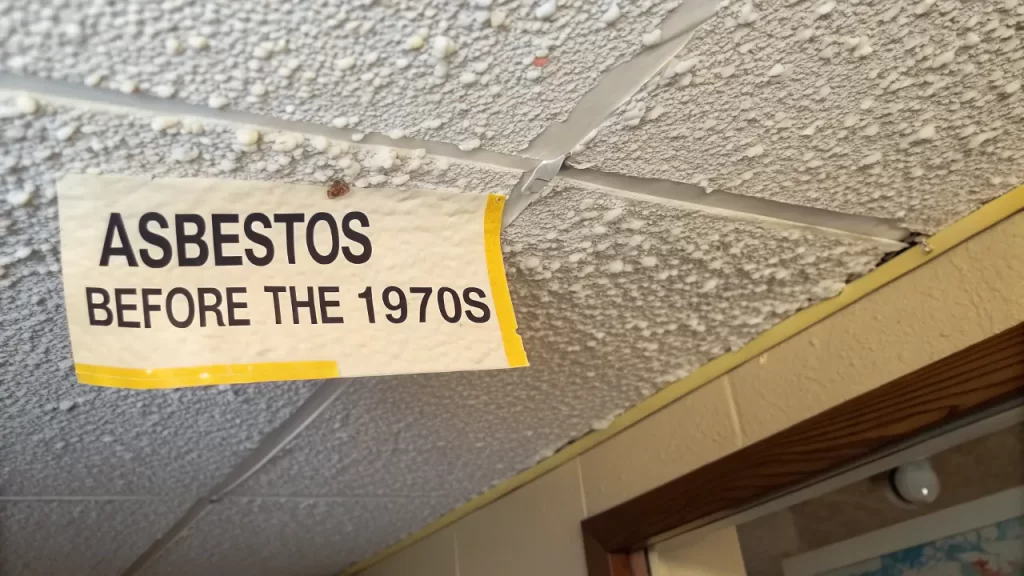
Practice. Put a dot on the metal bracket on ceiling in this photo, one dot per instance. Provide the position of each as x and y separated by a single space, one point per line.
530 188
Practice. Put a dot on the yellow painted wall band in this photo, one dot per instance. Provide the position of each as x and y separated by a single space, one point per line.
513 343
149 379
956 233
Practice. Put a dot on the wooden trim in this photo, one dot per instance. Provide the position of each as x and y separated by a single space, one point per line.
638 563
978 377
601 562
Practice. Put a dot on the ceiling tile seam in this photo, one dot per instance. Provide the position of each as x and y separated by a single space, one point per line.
109 100
676 28
620 82
95 97
679 25
269 446
740 206
276 440
177 530
556 143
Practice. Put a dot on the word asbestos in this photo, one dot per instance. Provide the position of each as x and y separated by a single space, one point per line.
190 231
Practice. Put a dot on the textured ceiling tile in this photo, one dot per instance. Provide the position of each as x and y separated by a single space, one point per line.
447 436
81 537
284 537
44 140
909 110
658 289
64 438
454 71
614 297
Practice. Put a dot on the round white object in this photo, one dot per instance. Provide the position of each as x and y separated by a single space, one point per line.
916 482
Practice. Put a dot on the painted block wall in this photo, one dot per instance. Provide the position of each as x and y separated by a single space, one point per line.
716 554
963 296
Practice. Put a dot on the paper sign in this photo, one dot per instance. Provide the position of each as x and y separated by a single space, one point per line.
193 282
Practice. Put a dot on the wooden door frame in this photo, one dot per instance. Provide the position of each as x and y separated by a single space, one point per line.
956 387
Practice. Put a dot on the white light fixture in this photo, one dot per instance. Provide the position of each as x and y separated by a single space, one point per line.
915 482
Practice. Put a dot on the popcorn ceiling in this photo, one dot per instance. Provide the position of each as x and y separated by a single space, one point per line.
57 139
670 276
376 66
904 109
81 537
294 536
65 439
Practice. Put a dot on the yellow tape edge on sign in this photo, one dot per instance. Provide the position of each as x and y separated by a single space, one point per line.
213 375
944 240
514 351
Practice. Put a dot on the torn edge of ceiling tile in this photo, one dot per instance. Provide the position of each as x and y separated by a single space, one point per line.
941 242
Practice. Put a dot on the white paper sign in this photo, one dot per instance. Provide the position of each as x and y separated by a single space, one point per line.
193 282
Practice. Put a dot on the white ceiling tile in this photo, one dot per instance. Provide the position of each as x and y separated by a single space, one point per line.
80 537
444 436
615 297
59 137
875 108
62 438
500 73
292 536
67 439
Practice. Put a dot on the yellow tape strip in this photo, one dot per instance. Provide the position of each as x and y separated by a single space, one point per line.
982 219
149 379
514 350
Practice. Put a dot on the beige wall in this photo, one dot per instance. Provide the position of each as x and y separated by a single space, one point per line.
715 554
963 296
